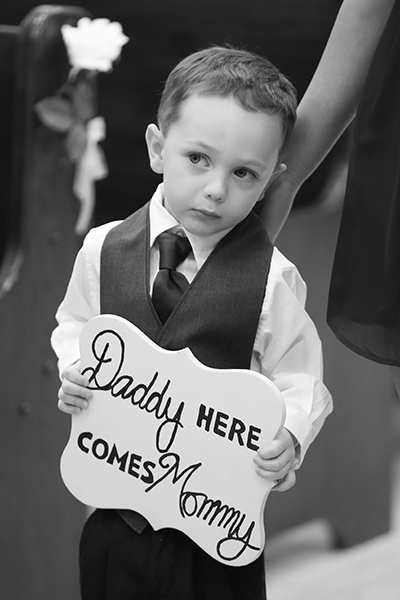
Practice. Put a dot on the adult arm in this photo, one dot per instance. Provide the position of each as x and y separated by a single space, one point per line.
329 103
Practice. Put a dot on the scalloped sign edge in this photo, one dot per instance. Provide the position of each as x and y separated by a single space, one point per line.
172 439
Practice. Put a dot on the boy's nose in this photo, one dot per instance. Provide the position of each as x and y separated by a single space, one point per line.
216 189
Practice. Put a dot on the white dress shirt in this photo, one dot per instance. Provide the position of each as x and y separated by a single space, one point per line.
287 348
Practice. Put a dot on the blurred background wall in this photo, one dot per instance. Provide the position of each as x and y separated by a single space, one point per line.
291 33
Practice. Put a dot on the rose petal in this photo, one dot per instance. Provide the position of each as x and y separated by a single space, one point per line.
94 45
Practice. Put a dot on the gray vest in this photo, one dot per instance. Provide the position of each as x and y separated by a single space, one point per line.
218 315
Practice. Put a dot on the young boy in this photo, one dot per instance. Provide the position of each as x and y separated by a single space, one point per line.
223 122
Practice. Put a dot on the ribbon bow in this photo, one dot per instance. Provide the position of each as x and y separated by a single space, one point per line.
91 167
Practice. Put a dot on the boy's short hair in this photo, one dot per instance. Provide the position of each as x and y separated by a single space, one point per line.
255 83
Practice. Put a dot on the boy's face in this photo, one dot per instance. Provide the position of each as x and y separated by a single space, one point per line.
216 161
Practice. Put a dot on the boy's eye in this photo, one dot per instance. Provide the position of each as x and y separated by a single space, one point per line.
196 159
243 173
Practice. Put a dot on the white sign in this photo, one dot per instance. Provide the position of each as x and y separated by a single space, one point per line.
172 439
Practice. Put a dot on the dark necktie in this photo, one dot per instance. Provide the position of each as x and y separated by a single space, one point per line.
169 285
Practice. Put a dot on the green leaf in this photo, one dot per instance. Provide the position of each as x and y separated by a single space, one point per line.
55 113
76 141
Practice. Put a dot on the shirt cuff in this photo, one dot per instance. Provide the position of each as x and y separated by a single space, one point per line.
299 427
67 360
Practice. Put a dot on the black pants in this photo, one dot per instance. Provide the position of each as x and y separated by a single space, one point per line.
116 563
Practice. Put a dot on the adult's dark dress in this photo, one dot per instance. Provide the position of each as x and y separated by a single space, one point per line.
364 298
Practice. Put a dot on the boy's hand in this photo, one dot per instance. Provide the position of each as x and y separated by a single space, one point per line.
277 461
73 394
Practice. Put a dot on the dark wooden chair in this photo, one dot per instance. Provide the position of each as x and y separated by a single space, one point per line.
40 521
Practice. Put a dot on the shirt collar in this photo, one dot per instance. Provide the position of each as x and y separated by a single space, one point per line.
161 220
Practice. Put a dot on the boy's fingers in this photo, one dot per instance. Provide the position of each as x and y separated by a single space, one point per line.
75 376
73 395
70 409
277 469
276 463
74 401
69 388
285 483
274 450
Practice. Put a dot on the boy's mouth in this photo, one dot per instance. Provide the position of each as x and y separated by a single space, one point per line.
207 213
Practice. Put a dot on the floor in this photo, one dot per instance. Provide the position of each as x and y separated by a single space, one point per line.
302 564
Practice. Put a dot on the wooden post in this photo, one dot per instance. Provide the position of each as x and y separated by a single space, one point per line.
41 521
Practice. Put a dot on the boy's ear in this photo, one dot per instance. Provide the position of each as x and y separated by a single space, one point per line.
279 169
155 145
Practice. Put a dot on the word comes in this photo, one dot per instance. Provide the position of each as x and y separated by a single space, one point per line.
128 462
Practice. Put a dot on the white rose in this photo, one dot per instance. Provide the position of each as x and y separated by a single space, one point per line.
93 44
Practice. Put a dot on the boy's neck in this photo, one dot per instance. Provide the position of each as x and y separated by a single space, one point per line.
202 245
